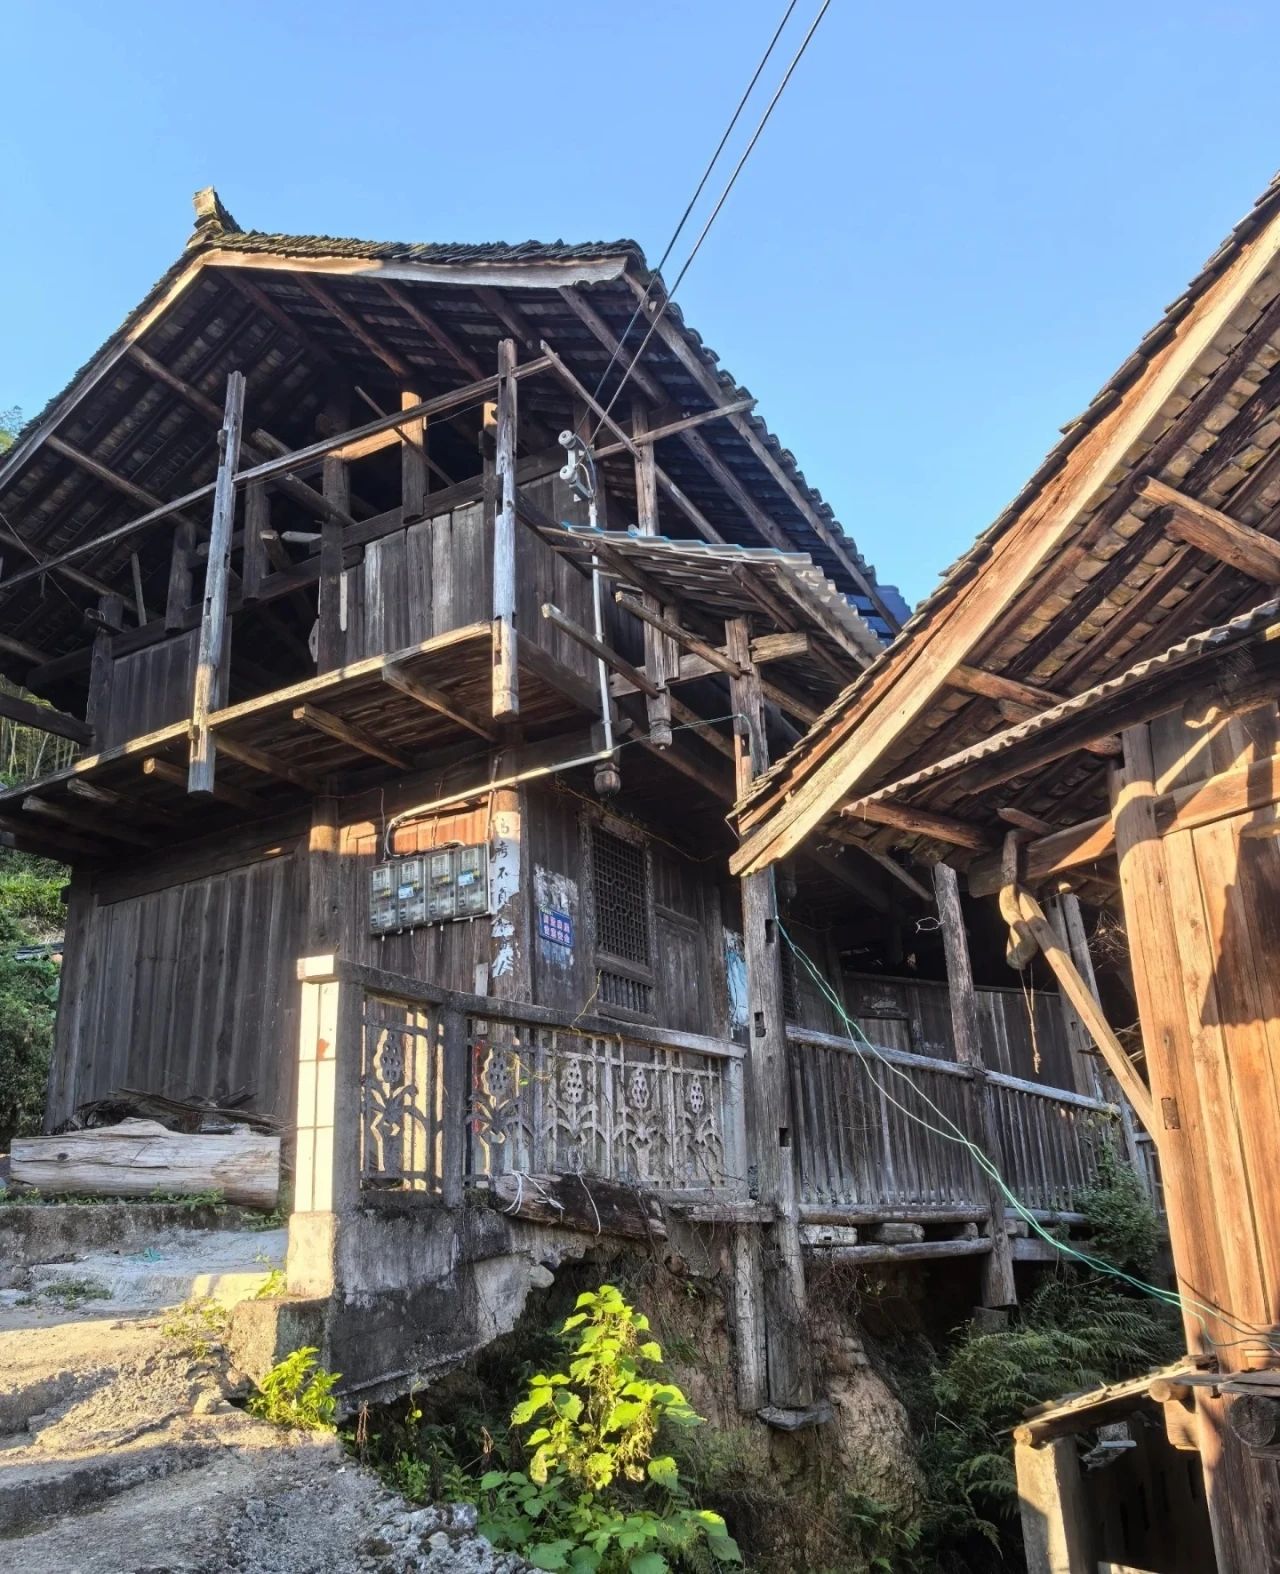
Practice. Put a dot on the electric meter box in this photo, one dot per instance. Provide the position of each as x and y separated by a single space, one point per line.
434 887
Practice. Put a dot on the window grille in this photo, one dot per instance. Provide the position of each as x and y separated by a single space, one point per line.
619 877
790 987
616 989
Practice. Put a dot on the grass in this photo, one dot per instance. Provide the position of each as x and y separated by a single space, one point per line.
69 1293
197 1328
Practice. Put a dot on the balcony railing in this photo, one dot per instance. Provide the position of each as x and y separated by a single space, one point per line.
887 1128
412 1090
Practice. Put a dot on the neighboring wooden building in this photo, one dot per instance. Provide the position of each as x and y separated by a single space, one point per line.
1088 702
408 738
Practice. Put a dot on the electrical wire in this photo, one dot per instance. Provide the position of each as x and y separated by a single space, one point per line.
684 217
715 213
1172 1298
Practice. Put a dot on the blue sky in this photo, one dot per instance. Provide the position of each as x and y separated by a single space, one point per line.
959 221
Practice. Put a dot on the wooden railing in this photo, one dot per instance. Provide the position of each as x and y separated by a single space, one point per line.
881 1127
409 1089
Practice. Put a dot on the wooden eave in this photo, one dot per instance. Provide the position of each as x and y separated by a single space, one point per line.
1082 577
241 301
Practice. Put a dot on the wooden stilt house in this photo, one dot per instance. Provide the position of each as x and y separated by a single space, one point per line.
408 729
1088 704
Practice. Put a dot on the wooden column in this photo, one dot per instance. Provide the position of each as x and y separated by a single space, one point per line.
213 625
180 560
336 486
661 657
414 480
511 961
324 906
1187 979
998 1287
506 696
257 520
1056 1523
788 1352
102 667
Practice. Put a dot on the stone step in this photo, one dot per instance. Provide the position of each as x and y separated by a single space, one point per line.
36 1492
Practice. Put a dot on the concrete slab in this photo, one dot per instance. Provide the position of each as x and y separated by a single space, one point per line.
226 1266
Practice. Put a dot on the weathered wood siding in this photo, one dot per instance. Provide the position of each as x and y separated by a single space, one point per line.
1023 1034
149 689
186 988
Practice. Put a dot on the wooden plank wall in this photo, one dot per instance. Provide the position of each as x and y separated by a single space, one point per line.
150 689
1024 1036
186 988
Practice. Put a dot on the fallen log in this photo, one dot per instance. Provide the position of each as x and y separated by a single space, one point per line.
579 1202
140 1158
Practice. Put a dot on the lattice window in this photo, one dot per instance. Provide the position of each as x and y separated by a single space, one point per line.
632 994
790 986
620 883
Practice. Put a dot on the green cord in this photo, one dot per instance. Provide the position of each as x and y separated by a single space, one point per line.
1168 1297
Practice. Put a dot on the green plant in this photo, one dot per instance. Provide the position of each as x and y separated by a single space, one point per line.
197 1327
28 1000
594 1496
74 1292
297 1393
1123 1227
271 1286
1075 1332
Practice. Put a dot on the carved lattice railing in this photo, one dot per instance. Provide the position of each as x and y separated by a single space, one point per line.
548 1100
406 1089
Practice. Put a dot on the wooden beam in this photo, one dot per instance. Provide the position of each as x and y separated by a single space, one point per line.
108 798
207 690
922 822
506 669
622 358
166 771
348 733
240 281
1028 913
443 341
404 682
254 447
268 763
646 438
359 330
699 647
22 650
994 686
330 635
681 713
1210 531
257 522
415 478
729 483
45 718
699 520
606 653
104 473
85 821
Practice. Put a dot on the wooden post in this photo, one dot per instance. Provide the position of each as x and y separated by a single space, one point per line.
506 697
324 908
182 552
1056 1524
336 486
208 685
102 668
661 657
788 1350
998 1287
511 962
414 480
1192 983
257 520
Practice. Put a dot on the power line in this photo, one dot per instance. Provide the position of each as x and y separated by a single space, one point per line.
715 212
706 175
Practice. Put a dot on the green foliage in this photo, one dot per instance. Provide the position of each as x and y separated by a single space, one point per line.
10 426
28 1001
877 1533
1073 1333
70 1293
272 1286
197 1327
297 1393
595 1497
1123 1228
